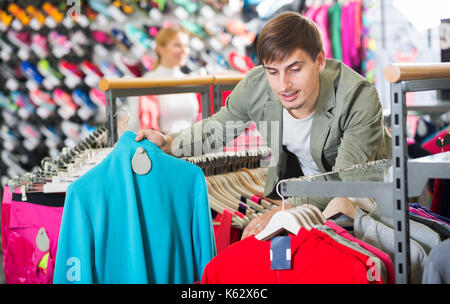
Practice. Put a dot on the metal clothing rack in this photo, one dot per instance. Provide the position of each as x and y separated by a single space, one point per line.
405 178
210 87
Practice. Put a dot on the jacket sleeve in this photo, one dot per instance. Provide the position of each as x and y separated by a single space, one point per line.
74 256
202 229
364 136
217 130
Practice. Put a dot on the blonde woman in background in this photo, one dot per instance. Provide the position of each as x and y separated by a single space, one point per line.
176 111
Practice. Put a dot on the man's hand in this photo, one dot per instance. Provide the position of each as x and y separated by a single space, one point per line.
258 224
159 139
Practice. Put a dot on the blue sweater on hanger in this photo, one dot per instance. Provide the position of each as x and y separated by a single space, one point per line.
122 227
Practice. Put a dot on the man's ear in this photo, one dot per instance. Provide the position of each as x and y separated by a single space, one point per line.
321 60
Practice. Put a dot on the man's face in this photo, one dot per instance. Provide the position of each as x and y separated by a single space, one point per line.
296 81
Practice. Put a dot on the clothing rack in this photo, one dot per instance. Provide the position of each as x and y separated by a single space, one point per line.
210 87
402 179
225 162
39 177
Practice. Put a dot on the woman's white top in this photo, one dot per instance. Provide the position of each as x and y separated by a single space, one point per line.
176 111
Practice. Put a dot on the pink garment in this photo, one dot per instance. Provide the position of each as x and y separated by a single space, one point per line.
321 19
346 34
430 145
350 52
425 214
21 223
310 12
384 257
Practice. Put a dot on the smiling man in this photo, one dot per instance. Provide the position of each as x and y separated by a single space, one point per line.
316 114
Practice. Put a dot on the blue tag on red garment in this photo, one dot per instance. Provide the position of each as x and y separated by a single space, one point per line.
280 252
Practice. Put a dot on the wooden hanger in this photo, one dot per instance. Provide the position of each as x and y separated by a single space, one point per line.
340 205
235 183
212 190
223 187
301 217
218 207
281 221
313 214
244 182
317 212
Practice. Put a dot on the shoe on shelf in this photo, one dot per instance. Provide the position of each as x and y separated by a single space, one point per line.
7 104
127 65
237 28
138 36
86 107
109 70
39 45
52 12
6 18
69 69
20 39
124 6
67 108
98 97
194 28
190 6
121 39
38 18
52 77
241 63
30 71
102 38
90 68
101 7
25 107
19 13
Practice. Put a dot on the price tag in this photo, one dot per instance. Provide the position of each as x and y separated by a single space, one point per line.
280 252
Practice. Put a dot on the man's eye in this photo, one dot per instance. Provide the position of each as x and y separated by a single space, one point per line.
296 70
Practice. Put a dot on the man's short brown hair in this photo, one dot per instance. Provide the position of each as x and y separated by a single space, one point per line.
286 33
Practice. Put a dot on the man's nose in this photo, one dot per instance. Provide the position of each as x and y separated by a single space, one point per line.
285 82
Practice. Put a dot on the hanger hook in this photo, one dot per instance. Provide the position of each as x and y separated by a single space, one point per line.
279 194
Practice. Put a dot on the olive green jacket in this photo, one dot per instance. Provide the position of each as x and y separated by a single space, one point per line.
347 125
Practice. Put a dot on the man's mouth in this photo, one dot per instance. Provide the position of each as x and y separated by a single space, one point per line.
289 96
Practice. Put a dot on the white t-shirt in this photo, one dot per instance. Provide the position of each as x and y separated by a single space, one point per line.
176 111
296 138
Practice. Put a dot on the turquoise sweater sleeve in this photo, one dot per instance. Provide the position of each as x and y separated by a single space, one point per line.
202 238
122 227
75 253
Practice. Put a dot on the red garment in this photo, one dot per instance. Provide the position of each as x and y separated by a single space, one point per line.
430 145
437 194
384 257
315 258
148 112
224 235
222 232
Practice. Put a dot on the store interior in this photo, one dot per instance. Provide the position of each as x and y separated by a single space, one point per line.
55 121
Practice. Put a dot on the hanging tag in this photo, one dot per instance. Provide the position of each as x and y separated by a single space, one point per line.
42 240
141 163
280 252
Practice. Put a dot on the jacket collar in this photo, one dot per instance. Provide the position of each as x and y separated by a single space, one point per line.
322 119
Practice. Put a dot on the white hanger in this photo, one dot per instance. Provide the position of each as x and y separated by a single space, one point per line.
280 221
